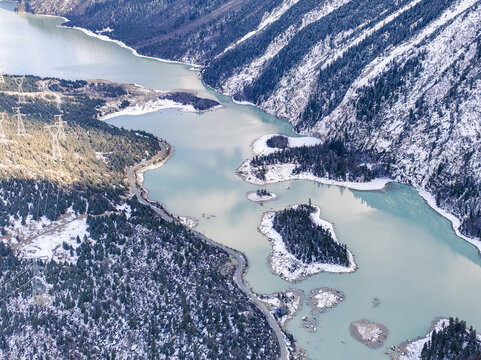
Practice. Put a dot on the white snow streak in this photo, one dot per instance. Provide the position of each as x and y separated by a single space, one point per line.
267 20
247 74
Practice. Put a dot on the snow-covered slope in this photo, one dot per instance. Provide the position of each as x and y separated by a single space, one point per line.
400 80
403 84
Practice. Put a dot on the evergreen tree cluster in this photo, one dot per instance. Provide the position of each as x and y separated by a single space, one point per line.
307 241
334 81
453 342
200 104
331 160
278 141
203 27
262 192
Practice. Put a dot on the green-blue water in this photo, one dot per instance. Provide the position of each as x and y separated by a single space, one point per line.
408 255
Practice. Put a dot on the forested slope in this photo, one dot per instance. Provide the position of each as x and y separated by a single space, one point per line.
86 271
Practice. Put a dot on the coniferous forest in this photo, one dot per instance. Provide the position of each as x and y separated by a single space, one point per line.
307 241
453 342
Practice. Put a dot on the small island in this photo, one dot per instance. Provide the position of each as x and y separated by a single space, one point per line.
324 298
303 244
261 195
369 333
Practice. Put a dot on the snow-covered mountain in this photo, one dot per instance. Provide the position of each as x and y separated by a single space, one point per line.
398 79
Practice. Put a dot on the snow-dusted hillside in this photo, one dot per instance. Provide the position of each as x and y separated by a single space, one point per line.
397 80
404 86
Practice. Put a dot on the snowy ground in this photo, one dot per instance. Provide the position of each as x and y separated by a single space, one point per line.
369 333
325 298
259 146
50 244
188 221
279 173
149 107
289 299
286 265
253 196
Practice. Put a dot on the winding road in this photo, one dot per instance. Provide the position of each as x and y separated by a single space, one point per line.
166 150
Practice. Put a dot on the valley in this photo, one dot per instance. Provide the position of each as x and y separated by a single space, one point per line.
382 228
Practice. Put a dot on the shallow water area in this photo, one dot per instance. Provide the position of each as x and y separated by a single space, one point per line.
408 256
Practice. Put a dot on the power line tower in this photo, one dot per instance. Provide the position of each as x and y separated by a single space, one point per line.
20 125
2 79
3 138
21 95
36 282
54 130
61 126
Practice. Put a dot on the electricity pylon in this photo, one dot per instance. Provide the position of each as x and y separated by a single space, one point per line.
3 138
20 125
21 94
36 282
2 79
60 124
55 130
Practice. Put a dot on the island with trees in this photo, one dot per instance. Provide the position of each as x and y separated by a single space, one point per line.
261 196
303 244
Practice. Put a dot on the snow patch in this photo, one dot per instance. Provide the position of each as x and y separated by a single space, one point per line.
149 107
267 20
412 351
325 298
50 244
284 172
259 146
253 196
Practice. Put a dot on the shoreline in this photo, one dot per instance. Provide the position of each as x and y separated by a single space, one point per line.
282 173
324 298
369 333
285 346
453 219
252 196
148 108
155 162
121 44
